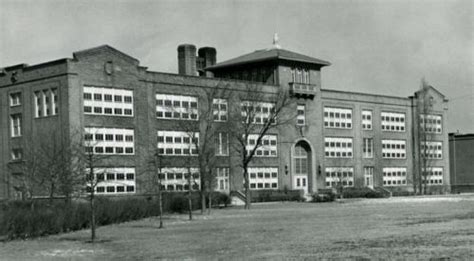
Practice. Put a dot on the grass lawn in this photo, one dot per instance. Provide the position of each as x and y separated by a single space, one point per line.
395 228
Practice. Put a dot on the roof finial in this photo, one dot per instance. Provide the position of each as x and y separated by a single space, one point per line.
275 41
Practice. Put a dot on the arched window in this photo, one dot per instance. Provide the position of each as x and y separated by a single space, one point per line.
301 159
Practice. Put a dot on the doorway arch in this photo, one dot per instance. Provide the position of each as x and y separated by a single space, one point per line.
302 165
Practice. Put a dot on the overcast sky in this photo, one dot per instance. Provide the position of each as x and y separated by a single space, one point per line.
382 47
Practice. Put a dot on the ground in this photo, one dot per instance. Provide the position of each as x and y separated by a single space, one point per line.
413 228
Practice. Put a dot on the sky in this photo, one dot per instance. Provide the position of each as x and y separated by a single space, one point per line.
381 47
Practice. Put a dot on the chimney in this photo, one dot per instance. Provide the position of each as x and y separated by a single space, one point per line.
187 59
207 55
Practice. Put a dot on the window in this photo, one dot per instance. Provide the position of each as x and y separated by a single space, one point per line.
220 109
300 115
222 144
338 147
111 180
433 176
299 75
339 176
368 147
15 99
113 142
395 176
266 148
431 123
176 107
369 176
176 179
108 101
17 154
258 112
222 179
393 149
177 143
301 160
46 103
366 120
337 118
263 178
392 121
15 124
432 149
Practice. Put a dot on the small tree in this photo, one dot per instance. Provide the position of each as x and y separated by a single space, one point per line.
425 134
251 118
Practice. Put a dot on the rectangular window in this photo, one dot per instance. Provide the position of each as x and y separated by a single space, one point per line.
15 99
177 143
15 124
109 140
338 147
222 179
220 109
300 115
394 149
393 121
337 118
263 178
38 104
108 101
111 181
394 176
266 148
176 179
432 176
258 112
54 101
368 148
339 176
430 123
222 144
366 120
432 149
176 107
17 154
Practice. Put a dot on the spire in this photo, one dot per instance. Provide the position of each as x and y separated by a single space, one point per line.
275 41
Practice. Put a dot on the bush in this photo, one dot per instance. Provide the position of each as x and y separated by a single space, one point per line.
219 199
25 219
324 197
361 193
276 195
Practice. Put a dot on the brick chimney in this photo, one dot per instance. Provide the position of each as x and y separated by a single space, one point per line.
187 59
207 56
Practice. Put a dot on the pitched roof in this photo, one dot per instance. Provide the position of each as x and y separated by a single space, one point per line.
104 48
269 54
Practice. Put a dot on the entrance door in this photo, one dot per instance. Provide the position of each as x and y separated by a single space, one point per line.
302 167
369 176
301 182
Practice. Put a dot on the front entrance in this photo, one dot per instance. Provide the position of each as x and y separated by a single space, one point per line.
302 166
301 182
369 177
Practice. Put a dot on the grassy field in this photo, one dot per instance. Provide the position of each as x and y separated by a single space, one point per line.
395 228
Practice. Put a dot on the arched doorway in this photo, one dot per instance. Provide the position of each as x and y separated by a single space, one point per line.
302 165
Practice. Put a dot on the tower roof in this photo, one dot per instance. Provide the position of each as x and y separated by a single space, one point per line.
268 55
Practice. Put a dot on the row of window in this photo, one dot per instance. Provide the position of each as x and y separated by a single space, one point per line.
109 140
178 107
177 143
113 180
46 103
108 101
339 176
263 178
267 148
430 123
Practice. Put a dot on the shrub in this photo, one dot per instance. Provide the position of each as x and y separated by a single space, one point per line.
219 199
276 195
361 193
328 196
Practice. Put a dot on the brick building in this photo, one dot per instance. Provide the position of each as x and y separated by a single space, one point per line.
461 165
339 137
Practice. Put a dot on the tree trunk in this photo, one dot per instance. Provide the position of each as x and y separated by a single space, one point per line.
247 188
210 203
160 202
92 215
203 201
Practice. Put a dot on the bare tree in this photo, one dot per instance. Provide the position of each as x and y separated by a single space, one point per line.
252 117
425 133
